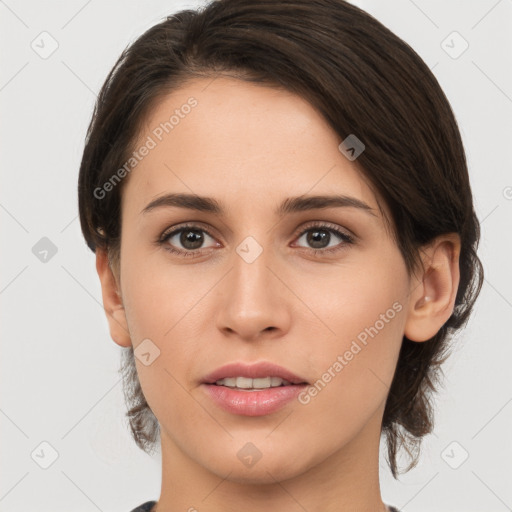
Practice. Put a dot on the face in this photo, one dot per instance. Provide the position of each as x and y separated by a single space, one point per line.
321 292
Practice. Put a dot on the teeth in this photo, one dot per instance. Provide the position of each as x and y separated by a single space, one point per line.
246 383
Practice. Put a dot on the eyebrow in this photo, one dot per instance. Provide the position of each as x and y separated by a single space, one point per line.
289 205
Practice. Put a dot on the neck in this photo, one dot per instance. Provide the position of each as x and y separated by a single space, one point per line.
345 480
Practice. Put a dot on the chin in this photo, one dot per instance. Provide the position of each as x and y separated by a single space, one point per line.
267 470
259 476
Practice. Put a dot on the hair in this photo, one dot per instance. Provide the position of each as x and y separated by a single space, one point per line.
364 80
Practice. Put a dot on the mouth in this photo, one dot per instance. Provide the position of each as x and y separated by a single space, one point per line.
253 377
253 389
248 384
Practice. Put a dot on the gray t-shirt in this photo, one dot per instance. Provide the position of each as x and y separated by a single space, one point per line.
146 507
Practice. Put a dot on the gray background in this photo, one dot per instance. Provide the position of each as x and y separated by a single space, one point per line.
59 366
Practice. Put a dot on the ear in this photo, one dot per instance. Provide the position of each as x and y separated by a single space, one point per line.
433 291
112 300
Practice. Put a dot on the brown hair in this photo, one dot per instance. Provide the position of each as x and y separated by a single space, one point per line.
364 80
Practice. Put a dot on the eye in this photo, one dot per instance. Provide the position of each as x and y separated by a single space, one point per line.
190 236
319 236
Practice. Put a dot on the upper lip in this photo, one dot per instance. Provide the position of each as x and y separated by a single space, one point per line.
253 371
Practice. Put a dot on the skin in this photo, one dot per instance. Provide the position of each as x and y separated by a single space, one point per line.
250 147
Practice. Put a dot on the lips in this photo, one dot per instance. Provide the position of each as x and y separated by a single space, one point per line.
253 371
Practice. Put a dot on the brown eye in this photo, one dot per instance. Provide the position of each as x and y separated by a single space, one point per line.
322 238
189 240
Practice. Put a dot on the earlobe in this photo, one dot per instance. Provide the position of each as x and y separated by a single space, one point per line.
433 292
112 300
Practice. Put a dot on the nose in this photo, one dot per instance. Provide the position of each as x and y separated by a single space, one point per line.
254 300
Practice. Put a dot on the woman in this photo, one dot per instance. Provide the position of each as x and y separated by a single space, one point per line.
278 199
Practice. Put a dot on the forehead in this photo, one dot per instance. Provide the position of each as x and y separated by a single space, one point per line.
241 142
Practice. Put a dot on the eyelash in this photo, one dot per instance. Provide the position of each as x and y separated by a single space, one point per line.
347 239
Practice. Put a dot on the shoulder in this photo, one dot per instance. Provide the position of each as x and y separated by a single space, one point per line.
146 507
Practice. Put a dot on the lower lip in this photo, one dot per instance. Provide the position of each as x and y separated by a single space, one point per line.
253 403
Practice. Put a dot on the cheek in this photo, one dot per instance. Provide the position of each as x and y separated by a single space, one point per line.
354 298
162 307
156 296
163 304
363 313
